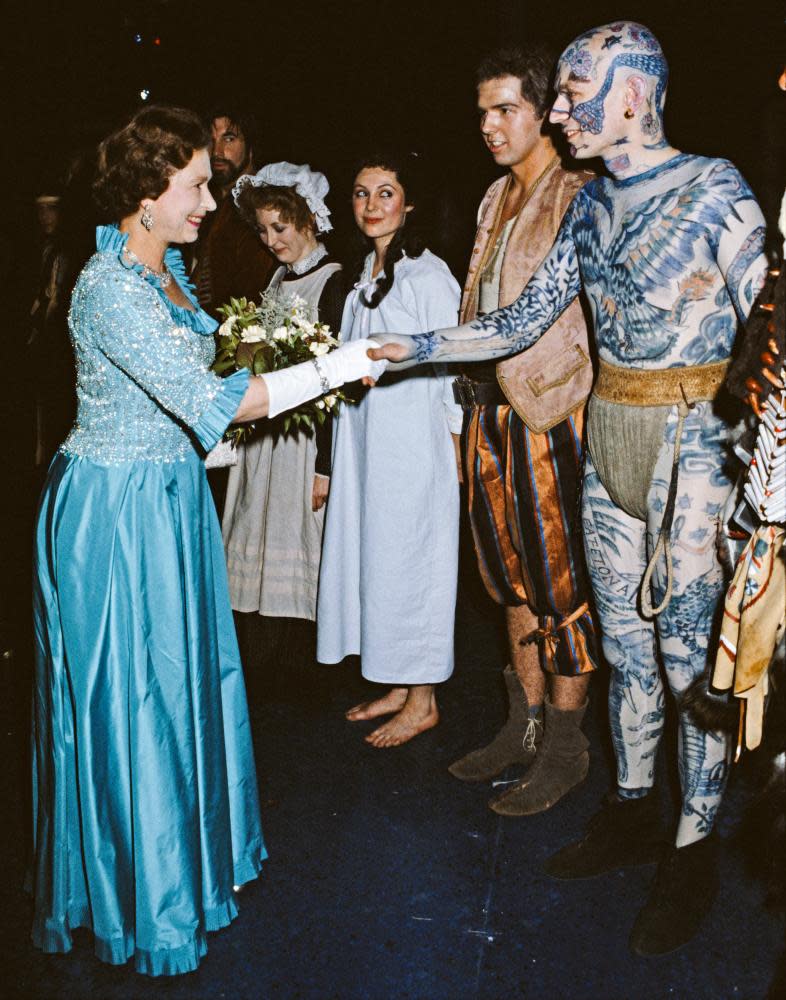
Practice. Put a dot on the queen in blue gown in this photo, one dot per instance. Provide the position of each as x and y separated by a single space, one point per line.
145 793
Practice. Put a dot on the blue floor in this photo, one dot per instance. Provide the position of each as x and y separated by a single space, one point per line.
390 880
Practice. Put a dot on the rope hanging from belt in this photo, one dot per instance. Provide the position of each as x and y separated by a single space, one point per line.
663 546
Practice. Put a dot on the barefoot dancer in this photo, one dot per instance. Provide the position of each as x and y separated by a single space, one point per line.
387 586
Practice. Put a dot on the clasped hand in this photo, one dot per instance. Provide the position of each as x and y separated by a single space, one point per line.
394 348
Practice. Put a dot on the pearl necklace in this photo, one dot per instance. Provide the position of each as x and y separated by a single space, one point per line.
164 277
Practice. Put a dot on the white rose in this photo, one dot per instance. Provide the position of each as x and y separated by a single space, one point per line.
225 330
280 333
308 328
330 401
320 404
318 349
253 334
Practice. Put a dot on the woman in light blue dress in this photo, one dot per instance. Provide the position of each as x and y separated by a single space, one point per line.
145 794
387 586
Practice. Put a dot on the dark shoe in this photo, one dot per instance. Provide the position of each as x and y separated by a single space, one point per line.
515 743
561 764
682 894
625 833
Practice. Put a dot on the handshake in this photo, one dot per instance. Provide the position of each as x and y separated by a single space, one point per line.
359 359
367 359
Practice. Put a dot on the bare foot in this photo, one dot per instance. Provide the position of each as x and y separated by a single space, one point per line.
391 702
417 715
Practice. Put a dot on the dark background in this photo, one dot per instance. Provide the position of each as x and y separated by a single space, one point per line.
328 77
326 80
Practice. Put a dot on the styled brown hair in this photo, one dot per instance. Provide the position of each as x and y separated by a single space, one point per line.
291 206
137 161
532 62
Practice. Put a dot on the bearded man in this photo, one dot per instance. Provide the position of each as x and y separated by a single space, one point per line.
669 252
229 258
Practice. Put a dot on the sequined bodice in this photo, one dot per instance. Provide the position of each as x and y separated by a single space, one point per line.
143 362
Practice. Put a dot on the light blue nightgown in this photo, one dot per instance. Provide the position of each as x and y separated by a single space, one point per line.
387 586
145 794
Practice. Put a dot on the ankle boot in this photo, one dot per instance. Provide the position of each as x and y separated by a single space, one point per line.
562 762
626 832
682 894
515 743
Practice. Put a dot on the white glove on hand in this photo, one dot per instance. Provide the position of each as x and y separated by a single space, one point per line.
292 386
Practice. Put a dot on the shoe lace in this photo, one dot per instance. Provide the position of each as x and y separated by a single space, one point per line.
531 734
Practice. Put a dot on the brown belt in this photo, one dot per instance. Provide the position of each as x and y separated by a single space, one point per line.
468 393
659 386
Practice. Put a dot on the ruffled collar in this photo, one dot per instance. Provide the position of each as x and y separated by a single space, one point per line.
109 239
301 266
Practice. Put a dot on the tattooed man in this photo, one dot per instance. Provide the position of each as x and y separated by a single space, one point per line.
668 249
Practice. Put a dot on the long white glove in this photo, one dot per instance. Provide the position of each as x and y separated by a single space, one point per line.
292 386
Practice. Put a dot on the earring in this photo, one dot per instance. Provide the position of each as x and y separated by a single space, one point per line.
629 113
146 218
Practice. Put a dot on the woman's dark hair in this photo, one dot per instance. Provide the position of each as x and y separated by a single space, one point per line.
137 161
533 63
410 240
290 206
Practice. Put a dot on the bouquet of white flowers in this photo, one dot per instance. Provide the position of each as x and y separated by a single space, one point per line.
265 337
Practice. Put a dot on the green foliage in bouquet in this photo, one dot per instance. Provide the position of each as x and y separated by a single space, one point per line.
276 333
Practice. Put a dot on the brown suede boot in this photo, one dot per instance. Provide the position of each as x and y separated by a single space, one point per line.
515 743
562 763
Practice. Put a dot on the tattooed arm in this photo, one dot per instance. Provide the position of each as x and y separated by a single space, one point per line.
740 245
506 331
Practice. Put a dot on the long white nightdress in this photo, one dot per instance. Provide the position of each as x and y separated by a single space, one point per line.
387 586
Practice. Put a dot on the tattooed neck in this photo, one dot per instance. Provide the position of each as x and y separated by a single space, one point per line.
638 159
618 166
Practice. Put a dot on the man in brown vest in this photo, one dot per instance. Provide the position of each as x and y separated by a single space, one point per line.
523 446
229 257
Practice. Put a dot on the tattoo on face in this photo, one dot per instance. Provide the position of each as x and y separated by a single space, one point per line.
580 61
590 115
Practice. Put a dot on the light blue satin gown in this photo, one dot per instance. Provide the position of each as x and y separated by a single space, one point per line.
145 793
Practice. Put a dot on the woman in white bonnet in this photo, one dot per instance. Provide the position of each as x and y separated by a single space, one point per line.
272 524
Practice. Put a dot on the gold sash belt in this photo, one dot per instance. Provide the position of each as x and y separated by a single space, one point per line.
659 386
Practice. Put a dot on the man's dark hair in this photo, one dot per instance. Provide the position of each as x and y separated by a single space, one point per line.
532 62
241 118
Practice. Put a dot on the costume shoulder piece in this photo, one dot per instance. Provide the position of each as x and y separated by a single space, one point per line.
568 183
491 196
